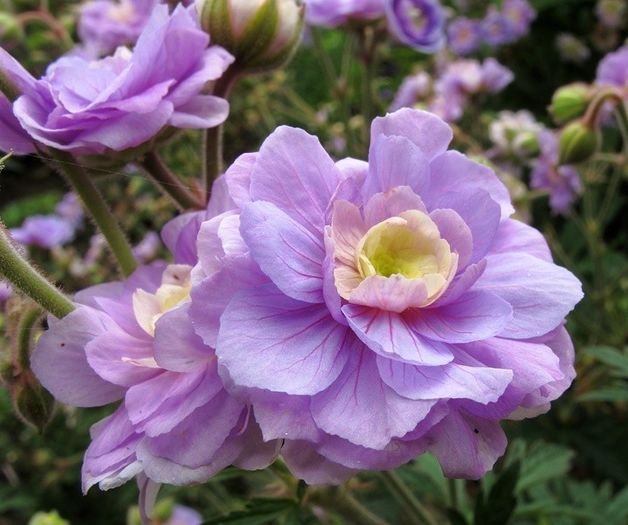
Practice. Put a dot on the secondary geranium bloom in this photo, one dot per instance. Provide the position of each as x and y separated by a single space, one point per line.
417 23
105 25
464 35
133 341
122 101
412 89
613 69
331 13
519 14
562 182
373 311
496 28
44 231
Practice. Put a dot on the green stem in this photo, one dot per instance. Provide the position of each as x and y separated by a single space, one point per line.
453 493
339 500
169 183
213 150
26 279
99 210
25 336
328 66
398 488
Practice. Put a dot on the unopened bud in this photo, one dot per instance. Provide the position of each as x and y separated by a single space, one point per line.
260 34
32 403
48 518
527 144
578 143
570 102
9 26
163 510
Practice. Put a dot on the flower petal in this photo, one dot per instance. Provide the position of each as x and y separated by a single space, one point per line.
540 293
467 446
361 408
268 340
473 317
307 464
516 236
451 381
388 334
285 251
295 173
59 360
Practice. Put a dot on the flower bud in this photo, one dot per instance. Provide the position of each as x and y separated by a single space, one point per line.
569 102
526 144
9 27
261 34
48 518
578 143
32 403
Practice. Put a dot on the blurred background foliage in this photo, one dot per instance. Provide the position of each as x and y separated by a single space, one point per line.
569 466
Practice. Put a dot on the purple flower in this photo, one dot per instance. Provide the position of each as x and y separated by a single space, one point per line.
417 23
105 25
495 77
464 35
184 516
12 135
133 341
412 89
44 231
331 13
519 14
496 28
5 291
122 101
562 182
70 209
613 68
374 311
147 248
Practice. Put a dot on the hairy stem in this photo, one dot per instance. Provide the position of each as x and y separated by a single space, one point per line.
95 204
31 283
169 183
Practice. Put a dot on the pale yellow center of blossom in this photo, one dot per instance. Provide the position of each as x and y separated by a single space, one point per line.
122 13
409 245
174 290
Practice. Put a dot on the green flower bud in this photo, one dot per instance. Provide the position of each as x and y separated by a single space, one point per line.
526 144
48 518
163 510
570 102
578 143
260 34
10 29
32 403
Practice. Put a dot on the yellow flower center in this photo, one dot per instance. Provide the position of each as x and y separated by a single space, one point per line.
409 245
174 290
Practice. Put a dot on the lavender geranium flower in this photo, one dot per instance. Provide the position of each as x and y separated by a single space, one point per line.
412 89
70 209
123 101
417 23
105 25
374 311
519 14
331 13
464 35
496 28
44 231
134 341
562 182
613 69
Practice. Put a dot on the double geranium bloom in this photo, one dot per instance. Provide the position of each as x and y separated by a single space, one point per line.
122 101
373 311
133 341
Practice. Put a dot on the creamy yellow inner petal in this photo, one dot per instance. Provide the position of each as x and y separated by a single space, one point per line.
174 290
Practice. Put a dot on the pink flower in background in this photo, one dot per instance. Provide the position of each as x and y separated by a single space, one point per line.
374 311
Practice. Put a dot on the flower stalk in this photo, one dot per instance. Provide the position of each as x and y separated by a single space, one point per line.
98 209
169 183
31 283
399 489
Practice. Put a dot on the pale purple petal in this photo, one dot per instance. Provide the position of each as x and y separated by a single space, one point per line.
268 340
515 236
307 464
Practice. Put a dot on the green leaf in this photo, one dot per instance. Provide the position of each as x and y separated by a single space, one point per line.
610 356
455 518
501 501
617 509
543 462
606 394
